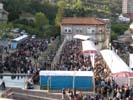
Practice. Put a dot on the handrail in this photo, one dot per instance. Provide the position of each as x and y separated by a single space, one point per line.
16 74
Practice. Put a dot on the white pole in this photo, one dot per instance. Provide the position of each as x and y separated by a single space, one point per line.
48 83
74 79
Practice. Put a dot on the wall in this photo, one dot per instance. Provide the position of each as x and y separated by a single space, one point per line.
97 35
59 82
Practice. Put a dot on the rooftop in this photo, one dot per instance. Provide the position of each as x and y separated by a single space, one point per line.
81 21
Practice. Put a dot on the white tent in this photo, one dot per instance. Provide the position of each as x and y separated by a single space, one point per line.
115 63
118 67
82 37
89 48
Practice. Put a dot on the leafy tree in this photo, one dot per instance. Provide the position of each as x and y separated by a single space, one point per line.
50 10
60 13
51 30
5 28
114 36
78 4
118 29
41 20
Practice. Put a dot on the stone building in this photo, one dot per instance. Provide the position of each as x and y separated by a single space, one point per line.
127 8
97 29
3 13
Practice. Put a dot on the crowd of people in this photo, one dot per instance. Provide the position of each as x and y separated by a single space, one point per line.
20 60
72 58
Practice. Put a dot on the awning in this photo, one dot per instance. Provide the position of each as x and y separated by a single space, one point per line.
82 37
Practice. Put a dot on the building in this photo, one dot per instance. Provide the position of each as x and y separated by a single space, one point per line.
97 29
3 14
127 8
126 39
121 18
27 16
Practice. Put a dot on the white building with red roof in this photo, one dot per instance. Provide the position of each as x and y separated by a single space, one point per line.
92 27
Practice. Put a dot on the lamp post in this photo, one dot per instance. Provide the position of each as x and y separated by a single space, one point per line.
49 83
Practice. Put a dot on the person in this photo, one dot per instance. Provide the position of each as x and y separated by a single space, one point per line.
3 86
80 95
63 94
85 97
30 84
131 93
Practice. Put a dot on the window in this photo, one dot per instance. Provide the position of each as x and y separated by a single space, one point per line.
78 30
93 31
67 29
88 30
100 30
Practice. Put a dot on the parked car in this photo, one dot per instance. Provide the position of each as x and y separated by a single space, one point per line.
23 32
33 36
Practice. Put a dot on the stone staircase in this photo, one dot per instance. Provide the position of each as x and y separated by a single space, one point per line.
57 56
24 94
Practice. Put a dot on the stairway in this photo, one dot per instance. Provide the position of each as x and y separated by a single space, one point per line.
24 94
57 56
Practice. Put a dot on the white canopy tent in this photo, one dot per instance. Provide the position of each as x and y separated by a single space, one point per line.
82 37
89 48
118 67
115 63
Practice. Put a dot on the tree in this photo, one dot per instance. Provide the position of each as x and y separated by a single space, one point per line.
40 21
60 13
5 28
78 4
118 29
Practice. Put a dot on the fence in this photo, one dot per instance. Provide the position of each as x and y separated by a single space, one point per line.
14 80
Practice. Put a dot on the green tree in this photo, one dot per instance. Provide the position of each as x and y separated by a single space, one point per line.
114 35
78 4
41 20
60 13
5 29
118 29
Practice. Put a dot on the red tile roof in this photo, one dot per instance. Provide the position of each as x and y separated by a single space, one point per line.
81 21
